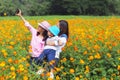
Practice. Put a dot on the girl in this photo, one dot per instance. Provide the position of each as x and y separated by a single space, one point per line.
50 50
39 36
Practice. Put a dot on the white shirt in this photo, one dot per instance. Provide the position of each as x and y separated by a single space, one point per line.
59 48
55 39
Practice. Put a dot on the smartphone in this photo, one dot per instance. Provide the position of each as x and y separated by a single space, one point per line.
17 11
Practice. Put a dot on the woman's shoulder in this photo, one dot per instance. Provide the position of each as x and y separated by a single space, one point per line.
63 35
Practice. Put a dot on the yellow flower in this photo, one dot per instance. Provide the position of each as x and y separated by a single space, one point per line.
5 54
63 60
108 55
82 61
72 71
30 50
64 73
72 59
12 68
85 52
118 51
23 59
104 78
27 64
97 56
2 64
22 69
13 74
87 69
118 67
12 43
90 58
3 50
81 76
58 69
5 14
119 58
57 77
20 66
25 77
77 78
49 78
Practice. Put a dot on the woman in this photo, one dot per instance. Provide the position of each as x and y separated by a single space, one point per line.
63 36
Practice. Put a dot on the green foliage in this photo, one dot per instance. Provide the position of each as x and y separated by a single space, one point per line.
60 7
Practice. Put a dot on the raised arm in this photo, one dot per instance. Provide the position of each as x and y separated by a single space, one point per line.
19 13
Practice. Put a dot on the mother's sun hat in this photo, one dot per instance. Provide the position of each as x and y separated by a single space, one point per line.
44 25
54 30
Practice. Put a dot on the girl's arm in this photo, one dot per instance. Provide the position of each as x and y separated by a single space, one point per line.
19 13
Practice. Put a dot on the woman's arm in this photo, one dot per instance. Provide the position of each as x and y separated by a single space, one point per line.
60 42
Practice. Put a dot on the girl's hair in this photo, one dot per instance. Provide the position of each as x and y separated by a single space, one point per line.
44 34
64 27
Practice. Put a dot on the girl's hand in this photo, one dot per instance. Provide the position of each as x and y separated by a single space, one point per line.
18 12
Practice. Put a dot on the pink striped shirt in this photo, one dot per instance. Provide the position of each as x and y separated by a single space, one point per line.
36 42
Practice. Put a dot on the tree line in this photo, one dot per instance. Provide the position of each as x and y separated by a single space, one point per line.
60 7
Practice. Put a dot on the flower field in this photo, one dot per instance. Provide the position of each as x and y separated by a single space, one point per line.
91 53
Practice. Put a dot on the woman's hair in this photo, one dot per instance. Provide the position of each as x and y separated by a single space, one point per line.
63 27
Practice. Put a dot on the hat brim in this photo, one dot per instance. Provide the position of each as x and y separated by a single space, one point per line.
42 26
52 32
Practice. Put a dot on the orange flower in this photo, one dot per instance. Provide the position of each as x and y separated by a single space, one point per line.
10 47
15 53
96 47
48 74
75 48
2 78
114 44
16 61
42 74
